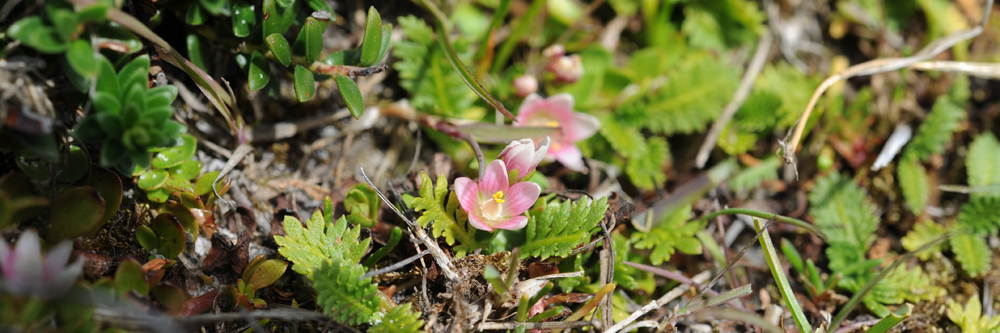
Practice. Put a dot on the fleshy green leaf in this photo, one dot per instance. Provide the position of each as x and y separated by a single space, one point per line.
259 72
351 94
305 84
561 226
279 48
244 18
216 7
307 247
371 44
83 59
152 179
195 15
79 210
277 20
672 233
34 33
310 40
174 156
343 294
198 51
443 209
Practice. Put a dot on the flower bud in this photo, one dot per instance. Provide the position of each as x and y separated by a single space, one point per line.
525 85
567 69
553 52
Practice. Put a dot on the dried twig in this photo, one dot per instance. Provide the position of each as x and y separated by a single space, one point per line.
395 266
548 325
879 66
756 65
980 69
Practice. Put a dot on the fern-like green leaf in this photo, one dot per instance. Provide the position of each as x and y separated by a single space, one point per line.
426 73
318 242
626 140
442 208
647 171
983 162
400 319
980 215
970 317
753 176
944 120
672 234
842 210
344 295
900 285
561 226
696 93
573 264
924 232
791 85
914 183
972 252
720 24
623 274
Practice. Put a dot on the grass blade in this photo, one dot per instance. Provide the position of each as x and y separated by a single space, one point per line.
771 254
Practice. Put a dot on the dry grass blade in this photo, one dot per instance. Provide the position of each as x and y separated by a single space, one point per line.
980 69
879 66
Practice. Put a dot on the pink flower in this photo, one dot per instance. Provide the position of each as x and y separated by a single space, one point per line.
557 111
567 69
26 273
525 85
521 156
493 203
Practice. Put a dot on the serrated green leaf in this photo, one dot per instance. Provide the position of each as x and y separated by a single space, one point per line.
936 131
972 252
914 183
627 141
372 42
342 292
259 72
305 84
924 232
792 86
983 162
673 233
561 226
400 319
703 86
720 24
351 94
753 176
980 216
841 209
442 208
970 317
279 48
648 171
426 74
307 247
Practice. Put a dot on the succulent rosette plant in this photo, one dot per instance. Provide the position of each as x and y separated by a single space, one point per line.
27 273
557 111
493 203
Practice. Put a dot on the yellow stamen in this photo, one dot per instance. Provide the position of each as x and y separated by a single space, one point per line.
498 197
555 146
552 123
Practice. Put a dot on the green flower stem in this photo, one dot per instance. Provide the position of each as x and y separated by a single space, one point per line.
892 320
394 238
768 216
771 254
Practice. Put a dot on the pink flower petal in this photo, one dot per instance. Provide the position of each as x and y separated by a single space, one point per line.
520 198
494 179
563 101
6 257
583 126
56 259
478 223
528 107
28 257
542 150
513 223
468 194
570 157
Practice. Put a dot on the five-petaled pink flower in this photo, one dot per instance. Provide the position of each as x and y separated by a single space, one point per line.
494 203
26 273
522 156
557 111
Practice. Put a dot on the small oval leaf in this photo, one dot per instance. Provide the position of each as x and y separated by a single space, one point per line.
110 187
259 72
34 33
195 15
170 233
83 58
244 18
129 277
372 42
267 273
305 86
174 156
279 47
386 41
152 179
76 211
187 170
74 166
204 184
277 20
197 51
351 94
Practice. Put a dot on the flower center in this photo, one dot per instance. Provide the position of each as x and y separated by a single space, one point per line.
555 147
552 123
498 197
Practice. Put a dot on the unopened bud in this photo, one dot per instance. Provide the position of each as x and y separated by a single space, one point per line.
554 51
525 85
567 68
